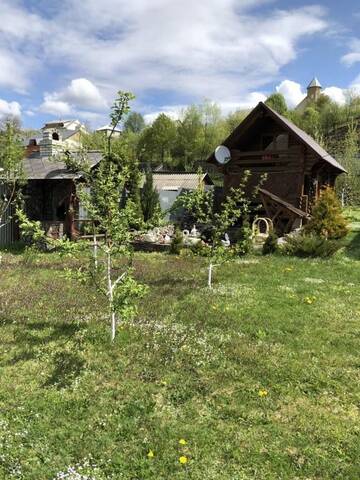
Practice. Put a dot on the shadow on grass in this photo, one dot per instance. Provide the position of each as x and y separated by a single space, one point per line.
27 336
166 284
352 249
67 368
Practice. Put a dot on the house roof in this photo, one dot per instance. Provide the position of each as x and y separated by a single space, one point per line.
178 181
106 128
59 123
303 137
44 168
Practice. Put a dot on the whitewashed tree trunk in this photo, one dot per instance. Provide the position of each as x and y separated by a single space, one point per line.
110 295
95 251
210 275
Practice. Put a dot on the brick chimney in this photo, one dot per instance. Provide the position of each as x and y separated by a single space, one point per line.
46 147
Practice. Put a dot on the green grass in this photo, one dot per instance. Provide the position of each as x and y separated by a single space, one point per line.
189 367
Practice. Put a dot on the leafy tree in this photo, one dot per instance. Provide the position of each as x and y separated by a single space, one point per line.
134 123
157 141
348 185
200 129
213 128
311 122
189 139
277 102
150 199
11 169
234 119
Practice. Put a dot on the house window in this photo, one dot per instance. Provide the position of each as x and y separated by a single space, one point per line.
55 136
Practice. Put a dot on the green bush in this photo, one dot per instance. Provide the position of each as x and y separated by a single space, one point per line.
270 245
311 246
177 243
327 219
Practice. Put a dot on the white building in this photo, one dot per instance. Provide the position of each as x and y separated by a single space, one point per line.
107 129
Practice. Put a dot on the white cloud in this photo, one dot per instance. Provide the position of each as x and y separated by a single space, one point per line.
247 102
78 95
336 94
9 109
173 111
354 54
53 106
206 48
84 94
21 34
292 92
14 71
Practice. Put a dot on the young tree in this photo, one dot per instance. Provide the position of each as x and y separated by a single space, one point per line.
119 109
11 168
199 204
103 195
150 199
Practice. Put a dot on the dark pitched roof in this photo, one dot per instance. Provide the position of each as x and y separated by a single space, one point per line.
289 126
44 168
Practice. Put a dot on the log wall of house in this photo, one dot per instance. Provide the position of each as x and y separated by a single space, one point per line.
284 170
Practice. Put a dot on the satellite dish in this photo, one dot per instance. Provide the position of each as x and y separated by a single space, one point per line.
222 154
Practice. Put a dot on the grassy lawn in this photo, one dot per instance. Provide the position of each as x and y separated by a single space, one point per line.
260 376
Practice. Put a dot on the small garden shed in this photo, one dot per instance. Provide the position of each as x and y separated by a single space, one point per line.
171 184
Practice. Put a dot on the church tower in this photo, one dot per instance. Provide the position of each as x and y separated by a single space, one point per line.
314 89
313 94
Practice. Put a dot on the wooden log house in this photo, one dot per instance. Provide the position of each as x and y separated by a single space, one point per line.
296 166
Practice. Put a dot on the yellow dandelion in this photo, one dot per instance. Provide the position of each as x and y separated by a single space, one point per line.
183 460
288 269
151 454
182 441
263 393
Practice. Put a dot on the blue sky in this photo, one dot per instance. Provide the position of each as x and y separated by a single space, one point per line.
67 59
